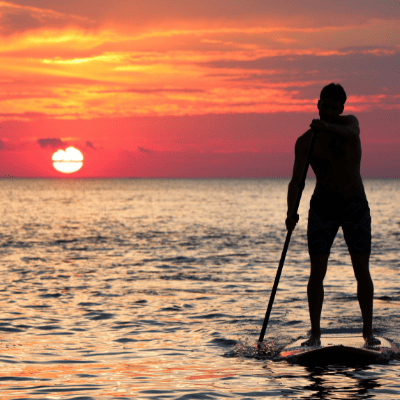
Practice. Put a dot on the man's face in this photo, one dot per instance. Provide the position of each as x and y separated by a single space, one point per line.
329 109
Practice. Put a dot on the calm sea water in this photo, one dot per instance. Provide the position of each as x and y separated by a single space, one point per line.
157 289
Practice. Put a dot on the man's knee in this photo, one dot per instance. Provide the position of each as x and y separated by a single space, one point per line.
361 267
319 259
319 265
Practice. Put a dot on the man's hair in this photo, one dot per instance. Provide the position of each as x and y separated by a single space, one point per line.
334 91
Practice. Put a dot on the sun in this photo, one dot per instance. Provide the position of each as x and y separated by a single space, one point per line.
68 161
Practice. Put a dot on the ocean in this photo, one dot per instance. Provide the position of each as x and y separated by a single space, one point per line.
157 289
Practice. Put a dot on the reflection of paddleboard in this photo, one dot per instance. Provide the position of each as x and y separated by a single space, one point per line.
339 348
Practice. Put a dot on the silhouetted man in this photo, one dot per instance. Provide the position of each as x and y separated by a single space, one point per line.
339 200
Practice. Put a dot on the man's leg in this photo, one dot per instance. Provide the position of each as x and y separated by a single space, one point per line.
315 293
365 294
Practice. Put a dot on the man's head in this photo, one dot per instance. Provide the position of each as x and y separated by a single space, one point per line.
331 103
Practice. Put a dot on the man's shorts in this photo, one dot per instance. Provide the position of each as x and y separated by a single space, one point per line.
328 212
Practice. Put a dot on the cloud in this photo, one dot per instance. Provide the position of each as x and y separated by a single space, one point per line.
155 90
16 18
127 70
156 13
257 80
365 70
24 115
90 144
50 142
143 150
1 145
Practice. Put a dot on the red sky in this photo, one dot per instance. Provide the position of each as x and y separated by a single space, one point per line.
174 88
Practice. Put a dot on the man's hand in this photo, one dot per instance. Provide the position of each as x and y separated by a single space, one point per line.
291 222
318 125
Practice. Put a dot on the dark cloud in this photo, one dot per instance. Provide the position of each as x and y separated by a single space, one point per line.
12 22
1 145
365 71
152 11
143 150
16 17
50 142
90 144
27 114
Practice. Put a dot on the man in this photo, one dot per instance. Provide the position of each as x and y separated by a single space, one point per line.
338 200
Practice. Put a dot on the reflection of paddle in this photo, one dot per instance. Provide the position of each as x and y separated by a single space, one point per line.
289 234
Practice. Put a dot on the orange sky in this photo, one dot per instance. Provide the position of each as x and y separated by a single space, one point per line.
174 88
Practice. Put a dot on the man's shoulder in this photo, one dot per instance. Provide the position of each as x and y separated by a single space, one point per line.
305 137
351 122
303 141
348 119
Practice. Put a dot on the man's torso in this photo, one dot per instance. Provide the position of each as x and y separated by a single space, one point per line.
336 163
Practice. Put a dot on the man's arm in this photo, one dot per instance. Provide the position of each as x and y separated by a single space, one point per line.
300 159
348 127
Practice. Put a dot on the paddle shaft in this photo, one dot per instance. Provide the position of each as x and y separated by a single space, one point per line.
288 236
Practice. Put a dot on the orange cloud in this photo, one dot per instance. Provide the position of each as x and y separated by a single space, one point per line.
63 68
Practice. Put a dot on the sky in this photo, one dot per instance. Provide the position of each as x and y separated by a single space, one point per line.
175 88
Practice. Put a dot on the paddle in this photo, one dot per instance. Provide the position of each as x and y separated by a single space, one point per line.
288 236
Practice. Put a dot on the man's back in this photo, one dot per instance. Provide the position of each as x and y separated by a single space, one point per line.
336 158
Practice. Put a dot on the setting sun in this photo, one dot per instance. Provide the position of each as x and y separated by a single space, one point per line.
68 161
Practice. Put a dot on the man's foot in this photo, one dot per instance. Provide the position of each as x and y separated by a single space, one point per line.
371 341
312 341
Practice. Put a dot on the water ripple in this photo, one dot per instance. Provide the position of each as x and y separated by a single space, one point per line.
157 289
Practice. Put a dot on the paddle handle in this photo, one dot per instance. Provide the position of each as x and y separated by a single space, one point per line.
288 236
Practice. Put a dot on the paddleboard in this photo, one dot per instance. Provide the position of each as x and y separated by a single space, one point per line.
339 348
